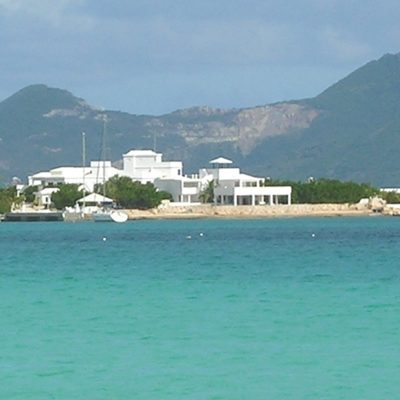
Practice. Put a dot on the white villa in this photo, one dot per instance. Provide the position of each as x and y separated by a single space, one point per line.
97 172
230 185
44 196
140 165
146 166
235 188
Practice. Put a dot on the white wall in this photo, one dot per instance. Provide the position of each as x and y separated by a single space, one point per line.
182 189
93 175
146 166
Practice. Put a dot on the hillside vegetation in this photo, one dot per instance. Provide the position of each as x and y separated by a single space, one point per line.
348 132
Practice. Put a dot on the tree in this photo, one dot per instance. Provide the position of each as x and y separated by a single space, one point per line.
390 197
7 197
66 196
207 195
132 194
327 191
29 193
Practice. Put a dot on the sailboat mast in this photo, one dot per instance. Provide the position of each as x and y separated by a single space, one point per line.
83 166
104 154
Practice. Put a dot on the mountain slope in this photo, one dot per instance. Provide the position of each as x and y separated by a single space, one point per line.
350 131
42 128
356 134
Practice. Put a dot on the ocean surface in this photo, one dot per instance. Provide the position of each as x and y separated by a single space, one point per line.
303 308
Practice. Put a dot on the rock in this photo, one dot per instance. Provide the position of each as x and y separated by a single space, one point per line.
376 204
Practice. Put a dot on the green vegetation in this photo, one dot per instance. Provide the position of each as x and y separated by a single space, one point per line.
354 135
390 197
129 194
8 196
132 194
207 195
66 196
29 193
327 191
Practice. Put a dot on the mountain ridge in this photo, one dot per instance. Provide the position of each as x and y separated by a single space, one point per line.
349 131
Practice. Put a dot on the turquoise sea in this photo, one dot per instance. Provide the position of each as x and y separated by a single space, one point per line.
304 308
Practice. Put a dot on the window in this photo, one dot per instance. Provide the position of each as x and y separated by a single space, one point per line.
190 184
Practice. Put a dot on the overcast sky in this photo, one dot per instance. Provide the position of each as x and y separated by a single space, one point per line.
156 56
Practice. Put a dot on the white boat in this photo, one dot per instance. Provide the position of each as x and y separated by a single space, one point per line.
94 207
109 215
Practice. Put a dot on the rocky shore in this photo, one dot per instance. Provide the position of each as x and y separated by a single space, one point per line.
264 211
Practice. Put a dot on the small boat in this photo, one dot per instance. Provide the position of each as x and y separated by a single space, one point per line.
95 207
106 213
109 215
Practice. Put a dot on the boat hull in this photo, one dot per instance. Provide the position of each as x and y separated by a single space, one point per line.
110 216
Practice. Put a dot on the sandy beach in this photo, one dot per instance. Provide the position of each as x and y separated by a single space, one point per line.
265 211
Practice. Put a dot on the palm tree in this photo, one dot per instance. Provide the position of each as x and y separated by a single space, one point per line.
207 195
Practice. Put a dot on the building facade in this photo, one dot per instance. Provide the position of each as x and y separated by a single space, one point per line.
146 166
96 172
230 185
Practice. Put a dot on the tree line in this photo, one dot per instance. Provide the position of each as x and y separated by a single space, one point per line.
319 191
132 194
125 193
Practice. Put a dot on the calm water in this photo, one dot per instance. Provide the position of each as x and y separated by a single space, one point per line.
257 309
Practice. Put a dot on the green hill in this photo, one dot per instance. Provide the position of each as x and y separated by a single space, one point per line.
350 131
355 136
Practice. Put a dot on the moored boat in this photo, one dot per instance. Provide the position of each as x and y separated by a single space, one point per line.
109 215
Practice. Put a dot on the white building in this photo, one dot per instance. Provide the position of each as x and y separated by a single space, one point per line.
43 197
184 189
388 190
230 186
146 166
236 188
140 165
97 172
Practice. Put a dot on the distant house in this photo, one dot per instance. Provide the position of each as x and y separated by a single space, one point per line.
96 172
43 197
140 165
184 189
146 166
236 188
231 187
392 190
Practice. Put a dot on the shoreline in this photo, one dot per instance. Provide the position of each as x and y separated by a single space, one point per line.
250 212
